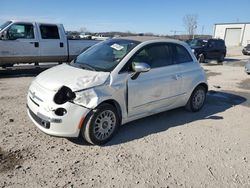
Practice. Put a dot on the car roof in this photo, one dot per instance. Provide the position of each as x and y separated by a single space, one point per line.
151 39
142 38
216 39
32 22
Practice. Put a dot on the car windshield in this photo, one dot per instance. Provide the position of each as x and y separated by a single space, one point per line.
105 56
197 43
4 25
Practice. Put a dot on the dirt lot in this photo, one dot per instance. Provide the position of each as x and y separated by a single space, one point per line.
210 148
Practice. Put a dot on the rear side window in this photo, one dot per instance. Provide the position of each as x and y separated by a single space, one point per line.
211 43
220 44
158 55
49 32
182 55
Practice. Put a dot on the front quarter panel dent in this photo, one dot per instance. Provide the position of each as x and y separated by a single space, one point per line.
91 98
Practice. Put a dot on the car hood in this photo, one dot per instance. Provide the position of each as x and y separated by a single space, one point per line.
72 77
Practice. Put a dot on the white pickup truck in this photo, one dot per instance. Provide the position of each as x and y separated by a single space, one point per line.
32 42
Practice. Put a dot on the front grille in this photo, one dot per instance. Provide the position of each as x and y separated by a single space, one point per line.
40 121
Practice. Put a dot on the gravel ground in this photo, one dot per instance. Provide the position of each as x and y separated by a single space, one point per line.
210 148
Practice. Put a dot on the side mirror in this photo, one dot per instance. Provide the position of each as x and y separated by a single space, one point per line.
3 35
140 67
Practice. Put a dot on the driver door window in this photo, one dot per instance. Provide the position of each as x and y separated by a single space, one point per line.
156 56
20 31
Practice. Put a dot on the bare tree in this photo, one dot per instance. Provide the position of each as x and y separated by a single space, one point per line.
83 30
190 23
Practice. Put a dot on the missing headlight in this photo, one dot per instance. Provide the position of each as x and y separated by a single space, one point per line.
64 95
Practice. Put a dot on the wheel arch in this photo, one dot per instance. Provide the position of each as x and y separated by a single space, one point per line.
203 84
115 104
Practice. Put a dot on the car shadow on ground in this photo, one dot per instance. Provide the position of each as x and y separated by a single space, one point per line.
228 61
232 60
216 102
23 71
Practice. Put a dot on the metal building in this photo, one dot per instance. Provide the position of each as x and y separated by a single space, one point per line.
234 34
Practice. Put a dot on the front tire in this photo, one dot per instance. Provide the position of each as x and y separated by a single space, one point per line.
101 125
197 99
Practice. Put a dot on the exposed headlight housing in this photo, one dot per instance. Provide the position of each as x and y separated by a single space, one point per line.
64 95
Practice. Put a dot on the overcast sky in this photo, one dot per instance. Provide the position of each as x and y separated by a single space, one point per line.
158 16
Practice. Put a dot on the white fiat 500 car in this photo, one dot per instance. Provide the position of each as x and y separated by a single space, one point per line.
115 82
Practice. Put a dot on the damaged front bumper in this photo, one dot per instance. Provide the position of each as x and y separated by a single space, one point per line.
67 125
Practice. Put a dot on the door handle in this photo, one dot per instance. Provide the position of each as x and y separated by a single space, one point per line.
36 44
61 45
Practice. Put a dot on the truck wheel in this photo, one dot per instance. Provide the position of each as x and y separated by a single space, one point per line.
201 58
197 99
101 125
221 59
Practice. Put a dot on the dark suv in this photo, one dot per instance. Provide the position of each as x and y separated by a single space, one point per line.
212 49
246 50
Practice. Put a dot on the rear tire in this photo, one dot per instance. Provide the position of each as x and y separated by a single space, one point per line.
101 125
197 99
221 59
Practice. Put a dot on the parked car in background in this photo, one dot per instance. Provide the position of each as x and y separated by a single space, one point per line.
246 50
85 36
73 35
247 67
32 42
100 37
212 49
115 82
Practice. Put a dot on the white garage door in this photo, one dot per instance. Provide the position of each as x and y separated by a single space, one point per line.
233 36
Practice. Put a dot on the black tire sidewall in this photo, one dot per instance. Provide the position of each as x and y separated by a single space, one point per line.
221 59
88 128
192 96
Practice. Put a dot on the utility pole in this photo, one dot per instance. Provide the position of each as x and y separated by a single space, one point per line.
194 27
202 29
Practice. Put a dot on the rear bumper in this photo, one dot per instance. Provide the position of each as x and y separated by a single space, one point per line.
61 126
